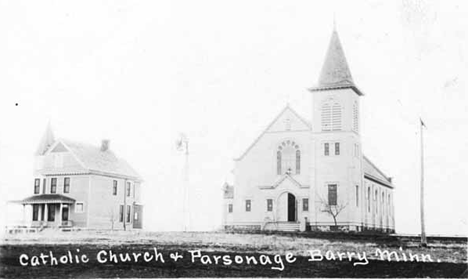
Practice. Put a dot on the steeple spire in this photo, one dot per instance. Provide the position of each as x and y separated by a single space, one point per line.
335 70
47 140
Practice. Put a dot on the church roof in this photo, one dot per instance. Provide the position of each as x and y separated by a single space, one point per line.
46 141
335 72
373 173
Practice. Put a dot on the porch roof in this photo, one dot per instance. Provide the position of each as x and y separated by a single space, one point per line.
47 198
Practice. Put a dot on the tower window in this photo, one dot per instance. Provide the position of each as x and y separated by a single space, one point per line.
326 150
355 117
248 205
331 116
332 194
230 208
337 148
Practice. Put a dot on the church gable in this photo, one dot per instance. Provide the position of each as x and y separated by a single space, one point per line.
288 120
285 182
59 148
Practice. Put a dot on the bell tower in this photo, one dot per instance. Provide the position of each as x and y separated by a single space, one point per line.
338 176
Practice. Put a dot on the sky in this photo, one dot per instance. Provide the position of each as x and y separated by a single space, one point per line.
140 72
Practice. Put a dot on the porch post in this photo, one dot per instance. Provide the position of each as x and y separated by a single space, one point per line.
60 215
46 215
24 214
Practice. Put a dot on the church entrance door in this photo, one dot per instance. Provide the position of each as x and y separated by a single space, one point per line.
291 208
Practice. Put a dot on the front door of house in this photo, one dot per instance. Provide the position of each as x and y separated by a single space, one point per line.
65 213
137 216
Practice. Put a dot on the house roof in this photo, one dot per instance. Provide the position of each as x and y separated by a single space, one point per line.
47 198
335 72
47 141
101 162
372 172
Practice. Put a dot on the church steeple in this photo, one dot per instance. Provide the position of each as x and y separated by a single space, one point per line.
335 70
47 140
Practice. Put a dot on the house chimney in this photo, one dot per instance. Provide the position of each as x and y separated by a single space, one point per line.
105 145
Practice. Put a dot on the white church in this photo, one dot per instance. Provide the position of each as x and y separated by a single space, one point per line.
303 175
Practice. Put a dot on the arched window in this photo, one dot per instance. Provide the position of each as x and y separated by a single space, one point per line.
331 115
288 158
355 117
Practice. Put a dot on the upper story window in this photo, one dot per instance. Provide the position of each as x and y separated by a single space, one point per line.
53 185
114 188
37 182
357 195
66 185
375 199
355 117
331 115
337 148
230 208
326 149
335 145
44 183
129 189
288 158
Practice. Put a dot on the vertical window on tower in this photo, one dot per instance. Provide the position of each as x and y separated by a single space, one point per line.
332 194
326 149
53 185
337 148
331 115
269 205
278 162
230 208
37 181
305 204
298 161
355 117
248 205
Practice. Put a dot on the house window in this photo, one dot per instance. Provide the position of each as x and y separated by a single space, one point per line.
326 149
114 188
368 199
129 208
134 191
337 148
51 213
288 158
37 181
53 186
44 185
121 213
305 204
79 207
248 205
230 208
35 216
128 189
357 195
332 194
269 205
66 185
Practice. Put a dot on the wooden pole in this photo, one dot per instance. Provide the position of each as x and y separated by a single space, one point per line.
423 232
186 179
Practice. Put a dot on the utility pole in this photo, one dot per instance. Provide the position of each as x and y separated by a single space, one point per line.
182 144
423 232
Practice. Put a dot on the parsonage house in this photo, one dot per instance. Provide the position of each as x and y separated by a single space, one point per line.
77 185
312 175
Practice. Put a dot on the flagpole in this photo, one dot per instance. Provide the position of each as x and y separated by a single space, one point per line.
423 232
186 175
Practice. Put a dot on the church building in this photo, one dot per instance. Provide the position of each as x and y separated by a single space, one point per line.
312 175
